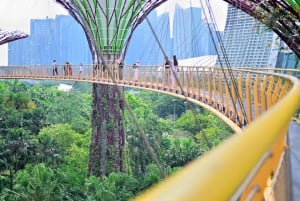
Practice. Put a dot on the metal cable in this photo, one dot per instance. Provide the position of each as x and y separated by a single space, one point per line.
240 102
179 84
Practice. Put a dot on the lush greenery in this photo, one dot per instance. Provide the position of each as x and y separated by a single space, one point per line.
45 135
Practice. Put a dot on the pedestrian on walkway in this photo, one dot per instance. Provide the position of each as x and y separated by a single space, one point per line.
55 72
174 69
136 70
80 69
167 69
121 67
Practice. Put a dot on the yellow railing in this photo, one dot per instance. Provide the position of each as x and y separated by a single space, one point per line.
244 167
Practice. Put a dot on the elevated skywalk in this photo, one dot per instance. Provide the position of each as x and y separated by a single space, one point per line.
247 166
294 142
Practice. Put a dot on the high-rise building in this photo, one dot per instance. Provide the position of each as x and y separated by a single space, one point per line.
61 38
248 42
190 37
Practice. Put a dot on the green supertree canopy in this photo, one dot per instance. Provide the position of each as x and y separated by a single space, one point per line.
109 23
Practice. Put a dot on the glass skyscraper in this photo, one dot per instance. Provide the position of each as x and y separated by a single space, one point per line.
248 42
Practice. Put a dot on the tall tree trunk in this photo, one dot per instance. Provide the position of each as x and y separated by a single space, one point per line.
108 140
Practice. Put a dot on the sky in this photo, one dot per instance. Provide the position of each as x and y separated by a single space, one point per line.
16 14
219 8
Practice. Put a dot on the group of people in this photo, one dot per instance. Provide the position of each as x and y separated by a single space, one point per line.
100 69
66 70
170 69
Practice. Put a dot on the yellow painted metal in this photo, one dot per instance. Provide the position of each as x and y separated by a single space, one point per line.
213 176
181 78
221 102
192 88
169 79
263 94
188 80
198 84
248 98
215 97
240 88
151 77
156 78
268 170
203 85
233 98
268 128
284 89
144 80
209 87
163 77
255 95
275 94
227 97
269 92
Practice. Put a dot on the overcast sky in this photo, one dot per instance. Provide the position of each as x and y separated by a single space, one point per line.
16 14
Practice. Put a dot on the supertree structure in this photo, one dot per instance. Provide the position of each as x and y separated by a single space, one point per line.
108 25
9 36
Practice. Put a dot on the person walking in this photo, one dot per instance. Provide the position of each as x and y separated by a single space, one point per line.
80 69
66 69
136 70
121 66
70 70
55 72
174 69
167 69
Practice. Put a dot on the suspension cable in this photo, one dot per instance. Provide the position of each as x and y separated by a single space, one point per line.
179 84
231 75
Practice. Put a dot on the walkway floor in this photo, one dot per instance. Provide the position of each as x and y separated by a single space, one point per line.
294 138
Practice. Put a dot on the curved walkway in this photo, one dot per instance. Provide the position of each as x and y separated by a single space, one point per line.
256 153
294 142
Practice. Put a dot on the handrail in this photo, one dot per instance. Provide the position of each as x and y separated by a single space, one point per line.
218 174
266 96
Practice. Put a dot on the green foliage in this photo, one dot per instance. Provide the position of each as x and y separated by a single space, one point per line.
152 176
37 183
187 122
64 107
164 105
82 87
62 134
45 137
176 152
48 151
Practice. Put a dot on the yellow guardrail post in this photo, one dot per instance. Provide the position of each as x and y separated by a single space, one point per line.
275 94
209 80
221 103
215 98
240 88
231 170
203 85
198 84
246 162
248 98
227 97
255 95
233 98
269 92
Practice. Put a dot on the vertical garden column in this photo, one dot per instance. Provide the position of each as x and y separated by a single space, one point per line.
108 26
